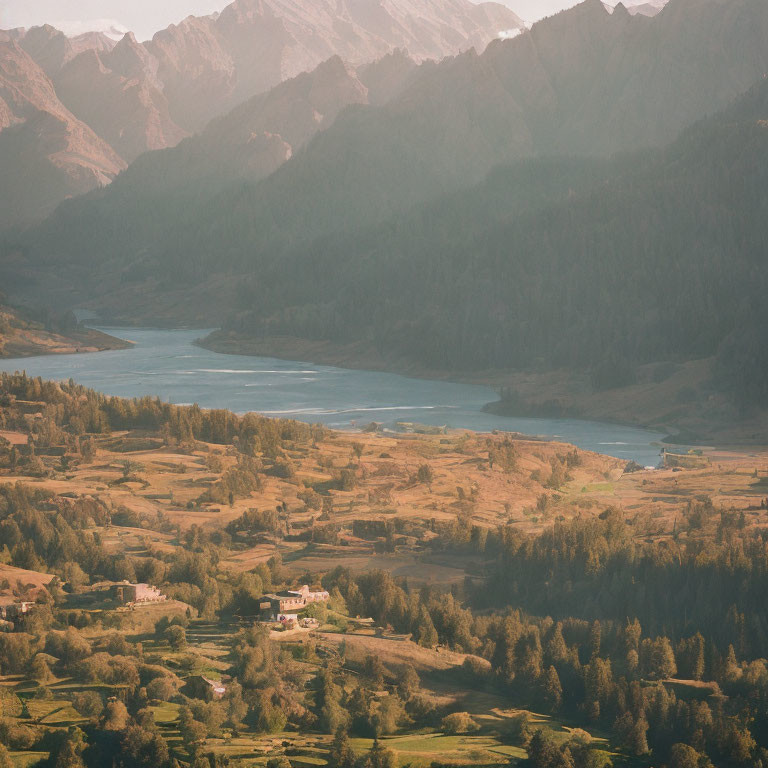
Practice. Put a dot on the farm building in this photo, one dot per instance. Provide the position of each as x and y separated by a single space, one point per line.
129 594
201 687
289 601
14 610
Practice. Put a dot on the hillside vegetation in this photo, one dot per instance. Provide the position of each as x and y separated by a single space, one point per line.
598 616
556 265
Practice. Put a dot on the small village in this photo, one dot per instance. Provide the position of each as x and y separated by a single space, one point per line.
282 609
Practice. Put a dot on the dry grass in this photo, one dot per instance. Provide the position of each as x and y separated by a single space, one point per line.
395 651
14 575
463 484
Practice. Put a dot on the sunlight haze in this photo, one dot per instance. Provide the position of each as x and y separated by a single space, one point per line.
145 17
383 384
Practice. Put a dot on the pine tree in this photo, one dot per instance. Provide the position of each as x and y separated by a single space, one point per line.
595 637
553 690
632 634
379 757
425 634
557 650
565 759
409 682
341 754
374 671
6 761
683 756
70 752
699 658
542 752
638 742
732 668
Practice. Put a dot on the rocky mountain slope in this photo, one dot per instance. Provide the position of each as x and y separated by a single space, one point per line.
143 96
635 7
119 95
244 146
212 63
46 152
52 49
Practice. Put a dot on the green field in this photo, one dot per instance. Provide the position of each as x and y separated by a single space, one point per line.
462 749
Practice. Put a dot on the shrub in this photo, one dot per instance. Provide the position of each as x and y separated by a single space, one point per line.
459 722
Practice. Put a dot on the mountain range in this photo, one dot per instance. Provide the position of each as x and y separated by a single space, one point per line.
93 105
583 82
650 8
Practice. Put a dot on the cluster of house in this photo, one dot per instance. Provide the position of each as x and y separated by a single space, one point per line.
124 593
279 606
285 606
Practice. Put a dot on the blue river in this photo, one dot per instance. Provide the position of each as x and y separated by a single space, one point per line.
168 364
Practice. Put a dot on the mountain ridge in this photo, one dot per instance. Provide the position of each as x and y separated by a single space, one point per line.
144 96
581 82
39 133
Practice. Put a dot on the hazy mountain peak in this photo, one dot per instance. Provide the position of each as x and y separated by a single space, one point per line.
590 7
6 35
96 41
128 39
52 49
209 64
49 47
131 59
334 65
145 96
620 10
242 10
647 8
84 65
129 46
386 77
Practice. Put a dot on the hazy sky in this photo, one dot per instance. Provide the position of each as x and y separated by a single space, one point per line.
145 17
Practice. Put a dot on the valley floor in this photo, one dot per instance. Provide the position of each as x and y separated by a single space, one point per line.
294 503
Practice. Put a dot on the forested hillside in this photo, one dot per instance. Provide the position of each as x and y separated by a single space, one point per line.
501 601
464 216
548 263
652 257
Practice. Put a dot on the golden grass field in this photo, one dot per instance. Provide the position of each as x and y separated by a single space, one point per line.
169 482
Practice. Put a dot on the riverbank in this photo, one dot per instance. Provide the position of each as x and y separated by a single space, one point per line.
168 364
45 343
676 399
21 338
